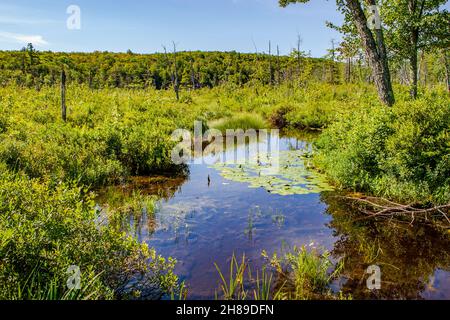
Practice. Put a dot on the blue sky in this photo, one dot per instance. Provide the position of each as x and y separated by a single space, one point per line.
145 25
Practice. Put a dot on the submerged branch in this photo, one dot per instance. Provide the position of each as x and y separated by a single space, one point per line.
380 207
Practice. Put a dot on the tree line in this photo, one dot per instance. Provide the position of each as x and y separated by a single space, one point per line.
195 70
192 70
391 33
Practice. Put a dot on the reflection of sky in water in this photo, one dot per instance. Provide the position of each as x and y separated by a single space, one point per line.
206 222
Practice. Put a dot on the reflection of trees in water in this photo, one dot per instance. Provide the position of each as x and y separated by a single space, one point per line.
160 186
407 255
132 204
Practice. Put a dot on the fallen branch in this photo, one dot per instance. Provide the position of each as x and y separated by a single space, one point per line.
380 207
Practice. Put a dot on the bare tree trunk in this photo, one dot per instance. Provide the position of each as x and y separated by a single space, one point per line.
447 68
375 52
299 56
278 65
271 75
413 62
63 95
348 70
176 85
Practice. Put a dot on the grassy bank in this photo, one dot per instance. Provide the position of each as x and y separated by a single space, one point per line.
114 133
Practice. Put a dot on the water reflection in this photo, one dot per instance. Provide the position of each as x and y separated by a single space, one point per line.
132 204
414 260
204 218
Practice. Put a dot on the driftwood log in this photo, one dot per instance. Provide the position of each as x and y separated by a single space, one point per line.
382 208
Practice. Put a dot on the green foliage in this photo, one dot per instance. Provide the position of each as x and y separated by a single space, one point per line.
305 274
195 69
296 275
409 256
399 153
120 207
44 229
48 222
242 121
108 135
233 289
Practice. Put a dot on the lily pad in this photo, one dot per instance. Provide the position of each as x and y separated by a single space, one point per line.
293 174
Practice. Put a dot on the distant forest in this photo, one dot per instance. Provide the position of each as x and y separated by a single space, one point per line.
193 70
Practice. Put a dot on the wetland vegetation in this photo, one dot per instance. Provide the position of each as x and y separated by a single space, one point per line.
98 189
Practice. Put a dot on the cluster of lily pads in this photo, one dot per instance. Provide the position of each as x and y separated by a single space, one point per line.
291 173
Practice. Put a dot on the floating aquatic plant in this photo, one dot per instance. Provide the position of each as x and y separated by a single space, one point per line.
293 174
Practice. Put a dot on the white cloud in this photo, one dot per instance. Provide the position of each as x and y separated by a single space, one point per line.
36 40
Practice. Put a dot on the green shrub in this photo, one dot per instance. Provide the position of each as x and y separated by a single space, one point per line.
44 229
109 134
400 153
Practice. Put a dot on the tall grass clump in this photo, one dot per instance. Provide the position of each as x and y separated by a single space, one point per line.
296 275
242 121
400 153
305 275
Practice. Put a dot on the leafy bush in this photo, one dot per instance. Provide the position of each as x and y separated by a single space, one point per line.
44 229
400 153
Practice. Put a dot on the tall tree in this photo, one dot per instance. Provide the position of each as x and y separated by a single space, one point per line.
373 45
413 25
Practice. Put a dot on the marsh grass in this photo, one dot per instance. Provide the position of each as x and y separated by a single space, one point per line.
296 275
56 289
234 288
242 121
306 274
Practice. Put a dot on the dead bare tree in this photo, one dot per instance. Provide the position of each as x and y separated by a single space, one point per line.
63 95
271 73
193 82
173 69
176 85
278 65
299 55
